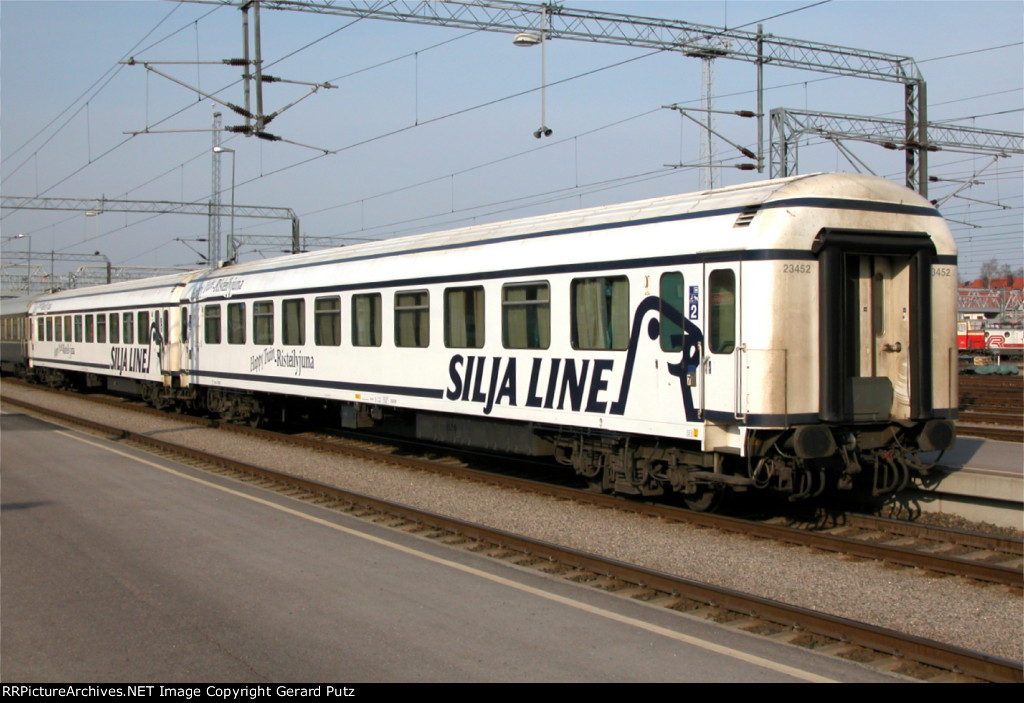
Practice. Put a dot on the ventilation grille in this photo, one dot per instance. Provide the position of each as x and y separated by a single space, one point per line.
747 215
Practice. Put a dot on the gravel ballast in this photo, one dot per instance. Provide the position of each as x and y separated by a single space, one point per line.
948 609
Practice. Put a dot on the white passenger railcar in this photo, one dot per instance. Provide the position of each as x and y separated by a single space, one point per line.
123 336
787 334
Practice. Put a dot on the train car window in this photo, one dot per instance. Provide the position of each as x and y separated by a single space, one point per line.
263 322
722 311
67 328
115 328
878 304
327 321
129 328
40 329
464 317
412 319
184 324
526 316
366 320
101 328
600 312
672 309
211 324
49 328
89 328
78 328
293 322
143 329
236 323
58 329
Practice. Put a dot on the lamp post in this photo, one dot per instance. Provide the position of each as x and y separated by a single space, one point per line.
231 234
104 257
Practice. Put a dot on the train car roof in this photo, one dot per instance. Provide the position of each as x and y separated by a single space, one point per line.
15 305
159 290
821 192
813 195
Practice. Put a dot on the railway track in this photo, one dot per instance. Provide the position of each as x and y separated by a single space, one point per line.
871 645
992 407
983 557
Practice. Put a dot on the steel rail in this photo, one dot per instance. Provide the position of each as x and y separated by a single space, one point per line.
893 554
923 650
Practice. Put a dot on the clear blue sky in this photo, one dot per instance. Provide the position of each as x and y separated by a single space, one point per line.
66 105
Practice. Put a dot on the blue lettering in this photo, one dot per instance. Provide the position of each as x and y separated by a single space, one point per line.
478 397
532 399
453 373
574 384
508 384
549 398
598 384
495 363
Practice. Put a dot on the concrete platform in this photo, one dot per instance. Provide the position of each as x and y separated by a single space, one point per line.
121 566
979 479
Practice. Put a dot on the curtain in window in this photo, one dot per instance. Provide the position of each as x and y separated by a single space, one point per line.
366 323
464 317
327 314
600 313
526 316
211 324
293 322
412 320
236 323
263 322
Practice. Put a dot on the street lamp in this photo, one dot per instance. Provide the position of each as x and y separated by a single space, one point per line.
231 235
528 39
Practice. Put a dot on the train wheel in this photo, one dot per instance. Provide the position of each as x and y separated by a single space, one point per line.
705 500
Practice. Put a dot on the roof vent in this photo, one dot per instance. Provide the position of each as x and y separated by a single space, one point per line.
747 215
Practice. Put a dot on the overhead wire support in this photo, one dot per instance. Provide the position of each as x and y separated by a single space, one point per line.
788 126
206 209
684 111
255 122
561 22
613 28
